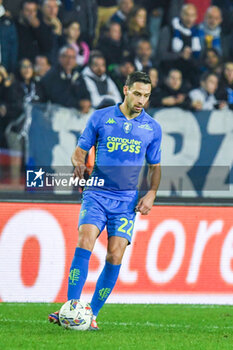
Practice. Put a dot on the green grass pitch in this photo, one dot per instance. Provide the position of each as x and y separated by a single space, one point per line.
123 327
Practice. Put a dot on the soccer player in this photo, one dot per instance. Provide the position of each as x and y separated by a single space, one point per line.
124 135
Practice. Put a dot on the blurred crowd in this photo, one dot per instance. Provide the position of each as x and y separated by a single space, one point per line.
78 53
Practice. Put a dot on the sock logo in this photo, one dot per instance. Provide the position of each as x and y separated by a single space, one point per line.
74 276
104 293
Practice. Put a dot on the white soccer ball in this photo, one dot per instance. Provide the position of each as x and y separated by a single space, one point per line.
76 314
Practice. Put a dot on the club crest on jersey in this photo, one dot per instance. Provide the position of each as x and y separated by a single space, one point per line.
127 126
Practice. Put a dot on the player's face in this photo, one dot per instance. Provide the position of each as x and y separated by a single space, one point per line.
137 96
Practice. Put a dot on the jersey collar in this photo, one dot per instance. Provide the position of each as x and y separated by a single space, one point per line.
118 113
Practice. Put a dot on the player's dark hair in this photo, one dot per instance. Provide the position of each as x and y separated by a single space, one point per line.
139 77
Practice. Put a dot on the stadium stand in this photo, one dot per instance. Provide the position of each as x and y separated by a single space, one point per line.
187 38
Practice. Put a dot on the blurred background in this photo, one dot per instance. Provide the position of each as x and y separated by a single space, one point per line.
61 60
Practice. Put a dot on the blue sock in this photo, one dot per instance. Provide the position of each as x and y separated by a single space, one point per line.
78 273
104 286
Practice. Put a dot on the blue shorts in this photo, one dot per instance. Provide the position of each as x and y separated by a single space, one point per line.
118 216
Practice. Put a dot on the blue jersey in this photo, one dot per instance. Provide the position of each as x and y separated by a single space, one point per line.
122 145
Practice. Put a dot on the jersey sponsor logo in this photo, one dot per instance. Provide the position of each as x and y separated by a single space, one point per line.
127 126
145 126
110 121
123 144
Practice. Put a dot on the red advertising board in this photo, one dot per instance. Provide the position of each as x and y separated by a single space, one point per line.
178 254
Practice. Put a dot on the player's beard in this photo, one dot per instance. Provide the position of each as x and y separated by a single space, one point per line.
132 108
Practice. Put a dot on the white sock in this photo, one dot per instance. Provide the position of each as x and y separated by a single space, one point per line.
94 317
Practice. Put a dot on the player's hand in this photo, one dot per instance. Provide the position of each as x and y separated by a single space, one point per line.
79 171
145 203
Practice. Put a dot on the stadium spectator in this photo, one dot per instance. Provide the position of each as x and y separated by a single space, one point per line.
111 45
211 33
121 15
143 57
85 13
180 47
226 7
62 85
212 62
106 8
10 107
181 39
121 71
137 27
154 77
50 10
8 40
41 67
204 98
225 90
34 36
27 89
176 5
173 93
98 83
72 33
156 11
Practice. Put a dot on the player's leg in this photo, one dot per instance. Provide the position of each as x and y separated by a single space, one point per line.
92 220
109 275
121 217
79 267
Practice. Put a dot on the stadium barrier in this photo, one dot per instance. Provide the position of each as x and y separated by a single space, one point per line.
198 146
178 255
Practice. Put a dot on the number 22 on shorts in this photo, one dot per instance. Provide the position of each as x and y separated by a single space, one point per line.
123 226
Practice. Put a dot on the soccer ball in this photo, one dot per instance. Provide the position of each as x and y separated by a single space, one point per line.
76 314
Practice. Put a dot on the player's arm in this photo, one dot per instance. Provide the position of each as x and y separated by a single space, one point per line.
145 203
85 142
78 160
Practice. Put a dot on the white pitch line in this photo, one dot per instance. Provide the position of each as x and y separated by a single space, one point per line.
125 324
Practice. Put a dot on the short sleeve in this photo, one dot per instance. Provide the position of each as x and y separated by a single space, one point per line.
89 135
153 152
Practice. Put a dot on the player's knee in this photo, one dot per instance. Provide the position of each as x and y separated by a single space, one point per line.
86 242
114 258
